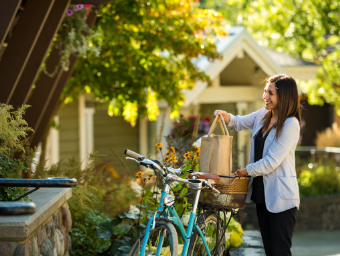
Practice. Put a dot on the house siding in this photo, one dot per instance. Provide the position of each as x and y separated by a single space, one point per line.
69 131
114 133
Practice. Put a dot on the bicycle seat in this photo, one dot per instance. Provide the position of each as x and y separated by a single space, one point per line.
204 176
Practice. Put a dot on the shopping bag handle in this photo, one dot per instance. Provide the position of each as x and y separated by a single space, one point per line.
222 124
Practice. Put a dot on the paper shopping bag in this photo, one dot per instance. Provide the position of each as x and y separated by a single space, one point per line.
216 152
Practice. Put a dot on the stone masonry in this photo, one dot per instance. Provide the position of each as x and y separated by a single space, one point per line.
315 213
50 230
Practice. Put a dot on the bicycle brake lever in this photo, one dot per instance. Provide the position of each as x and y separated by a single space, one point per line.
211 187
131 158
154 221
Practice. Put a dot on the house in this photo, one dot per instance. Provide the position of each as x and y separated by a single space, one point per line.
237 86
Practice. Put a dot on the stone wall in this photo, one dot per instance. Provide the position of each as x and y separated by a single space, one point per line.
44 233
317 213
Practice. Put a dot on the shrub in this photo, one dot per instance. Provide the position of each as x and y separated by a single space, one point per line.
321 178
15 155
83 234
97 197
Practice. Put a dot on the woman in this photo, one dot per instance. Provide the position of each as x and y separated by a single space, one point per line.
273 186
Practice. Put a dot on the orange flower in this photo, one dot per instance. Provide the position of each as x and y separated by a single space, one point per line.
139 174
187 155
159 146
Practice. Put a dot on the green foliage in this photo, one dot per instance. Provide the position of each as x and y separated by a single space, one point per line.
308 29
15 156
75 37
97 197
83 234
320 178
11 168
96 189
13 128
122 231
146 55
124 228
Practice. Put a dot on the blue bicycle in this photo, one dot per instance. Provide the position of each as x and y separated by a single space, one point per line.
204 234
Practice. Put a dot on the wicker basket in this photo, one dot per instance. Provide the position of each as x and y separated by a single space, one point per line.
233 196
238 186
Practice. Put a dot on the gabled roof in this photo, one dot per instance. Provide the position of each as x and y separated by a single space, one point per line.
286 60
228 46
235 44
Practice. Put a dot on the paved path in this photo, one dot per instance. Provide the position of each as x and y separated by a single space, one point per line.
252 245
311 243
316 243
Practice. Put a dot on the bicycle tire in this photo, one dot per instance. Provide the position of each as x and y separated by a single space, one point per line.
206 221
160 227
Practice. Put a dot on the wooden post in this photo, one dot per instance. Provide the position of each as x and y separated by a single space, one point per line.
21 44
39 120
8 10
36 59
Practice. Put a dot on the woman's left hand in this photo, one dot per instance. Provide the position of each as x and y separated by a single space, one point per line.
242 172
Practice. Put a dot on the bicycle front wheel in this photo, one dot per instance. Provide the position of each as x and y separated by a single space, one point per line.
208 224
164 237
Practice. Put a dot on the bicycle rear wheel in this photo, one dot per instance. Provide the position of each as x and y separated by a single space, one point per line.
208 224
170 241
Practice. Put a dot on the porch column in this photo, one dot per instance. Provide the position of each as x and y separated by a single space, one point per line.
89 142
242 135
143 136
82 130
52 145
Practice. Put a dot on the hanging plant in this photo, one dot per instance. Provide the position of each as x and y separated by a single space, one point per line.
75 37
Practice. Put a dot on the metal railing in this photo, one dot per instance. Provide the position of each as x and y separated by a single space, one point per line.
14 207
316 150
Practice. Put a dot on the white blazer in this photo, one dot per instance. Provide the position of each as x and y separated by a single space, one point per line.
277 165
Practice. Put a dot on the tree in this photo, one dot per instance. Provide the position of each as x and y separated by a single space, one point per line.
147 50
308 29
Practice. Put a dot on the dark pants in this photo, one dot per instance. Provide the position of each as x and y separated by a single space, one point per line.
276 230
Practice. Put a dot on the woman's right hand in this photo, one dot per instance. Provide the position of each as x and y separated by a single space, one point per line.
225 115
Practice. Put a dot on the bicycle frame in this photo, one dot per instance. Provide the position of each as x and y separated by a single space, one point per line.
186 234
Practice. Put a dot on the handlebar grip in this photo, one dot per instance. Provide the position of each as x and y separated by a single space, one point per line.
134 155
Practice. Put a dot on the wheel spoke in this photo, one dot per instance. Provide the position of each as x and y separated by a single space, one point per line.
163 238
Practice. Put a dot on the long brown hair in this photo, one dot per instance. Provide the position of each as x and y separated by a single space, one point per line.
288 102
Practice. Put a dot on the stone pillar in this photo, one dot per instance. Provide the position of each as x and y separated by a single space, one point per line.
45 232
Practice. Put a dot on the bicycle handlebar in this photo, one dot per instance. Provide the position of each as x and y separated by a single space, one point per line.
42 183
142 160
133 154
171 174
